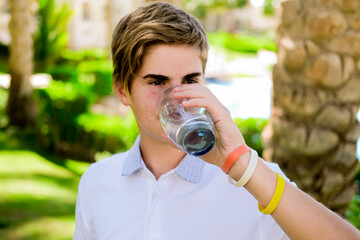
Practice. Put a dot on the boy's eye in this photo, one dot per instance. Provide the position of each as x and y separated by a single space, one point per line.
190 81
157 82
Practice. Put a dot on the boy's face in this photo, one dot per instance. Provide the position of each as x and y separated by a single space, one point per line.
163 66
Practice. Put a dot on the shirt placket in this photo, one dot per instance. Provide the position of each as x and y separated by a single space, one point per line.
154 225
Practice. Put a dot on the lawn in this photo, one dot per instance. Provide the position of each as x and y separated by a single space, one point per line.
37 193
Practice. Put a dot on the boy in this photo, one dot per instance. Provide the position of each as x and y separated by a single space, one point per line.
155 191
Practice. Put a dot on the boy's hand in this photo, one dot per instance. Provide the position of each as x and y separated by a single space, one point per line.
228 136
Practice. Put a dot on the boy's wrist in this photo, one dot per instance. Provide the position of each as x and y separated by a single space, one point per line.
239 167
234 156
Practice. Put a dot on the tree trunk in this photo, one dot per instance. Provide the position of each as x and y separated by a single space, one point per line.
313 128
21 107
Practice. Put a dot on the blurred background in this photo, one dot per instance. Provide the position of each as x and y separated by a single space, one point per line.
288 70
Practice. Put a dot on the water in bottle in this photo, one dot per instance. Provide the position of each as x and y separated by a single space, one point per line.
191 129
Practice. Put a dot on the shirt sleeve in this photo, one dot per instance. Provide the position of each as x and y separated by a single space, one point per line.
82 231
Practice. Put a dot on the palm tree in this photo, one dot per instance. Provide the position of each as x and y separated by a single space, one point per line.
20 106
313 129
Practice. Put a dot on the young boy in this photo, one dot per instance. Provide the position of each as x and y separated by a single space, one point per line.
155 191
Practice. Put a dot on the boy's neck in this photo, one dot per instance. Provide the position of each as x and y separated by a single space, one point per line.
160 157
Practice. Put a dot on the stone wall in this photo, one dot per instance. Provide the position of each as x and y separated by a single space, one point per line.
313 129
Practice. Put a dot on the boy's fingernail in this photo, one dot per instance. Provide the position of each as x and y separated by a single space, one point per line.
184 103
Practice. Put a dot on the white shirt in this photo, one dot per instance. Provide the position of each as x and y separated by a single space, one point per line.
119 198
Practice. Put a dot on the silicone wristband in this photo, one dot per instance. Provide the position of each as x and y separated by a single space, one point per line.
235 155
280 186
249 170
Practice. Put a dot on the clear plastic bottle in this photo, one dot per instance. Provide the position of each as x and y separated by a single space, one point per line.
191 129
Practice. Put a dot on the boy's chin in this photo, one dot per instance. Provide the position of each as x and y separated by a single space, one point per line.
167 140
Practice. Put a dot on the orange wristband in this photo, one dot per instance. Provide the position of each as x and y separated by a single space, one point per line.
235 155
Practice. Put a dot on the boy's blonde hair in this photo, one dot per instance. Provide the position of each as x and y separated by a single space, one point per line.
153 23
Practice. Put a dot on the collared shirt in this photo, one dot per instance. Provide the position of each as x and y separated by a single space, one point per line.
119 198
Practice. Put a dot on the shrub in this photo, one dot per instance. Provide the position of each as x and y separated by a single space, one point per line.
4 120
4 51
201 8
59 105
96 73
251 129
353 213
108 133
268 8
51 38
81 84
87 54
68 129
102 72
4 68
64 72
248 43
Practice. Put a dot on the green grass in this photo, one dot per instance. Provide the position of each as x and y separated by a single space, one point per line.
37 193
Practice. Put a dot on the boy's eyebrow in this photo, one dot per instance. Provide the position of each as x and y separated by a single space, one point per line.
192 75
162 77
156 76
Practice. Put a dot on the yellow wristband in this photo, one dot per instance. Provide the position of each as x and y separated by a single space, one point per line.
280 185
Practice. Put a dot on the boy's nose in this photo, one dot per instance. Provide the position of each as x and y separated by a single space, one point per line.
175 84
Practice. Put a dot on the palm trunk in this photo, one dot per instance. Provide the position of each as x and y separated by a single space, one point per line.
21 107
313 128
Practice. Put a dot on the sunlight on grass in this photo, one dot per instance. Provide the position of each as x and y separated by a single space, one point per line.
75 166
29 162
43 228
38 195
26 173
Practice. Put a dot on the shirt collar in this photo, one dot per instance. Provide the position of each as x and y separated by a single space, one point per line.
190 167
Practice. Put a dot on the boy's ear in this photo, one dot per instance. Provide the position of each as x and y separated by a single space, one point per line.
124 98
